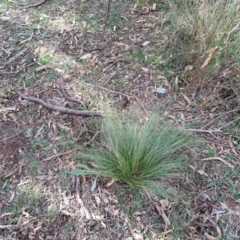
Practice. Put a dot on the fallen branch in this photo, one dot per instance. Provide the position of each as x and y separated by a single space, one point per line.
106 16
94 136
219 159
123 94
220 144
56 155
18 225
111 91
71 99
220 115
34 5
60 108
210 131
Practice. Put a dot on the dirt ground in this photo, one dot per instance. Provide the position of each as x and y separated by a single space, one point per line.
53 50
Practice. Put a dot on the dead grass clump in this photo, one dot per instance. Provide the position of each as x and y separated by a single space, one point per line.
203 37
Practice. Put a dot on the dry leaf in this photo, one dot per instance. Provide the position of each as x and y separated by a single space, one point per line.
213 109
98 201
4 109
165 233
188 68
212 237
136 235
146 70
87 214
201 172
104 198
164 216
86 56
145 43
164 203
154 6
187 99
120 44
232 147
44 67
210 56
110 183
220 159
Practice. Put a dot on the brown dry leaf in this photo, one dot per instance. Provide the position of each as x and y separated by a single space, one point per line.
136 235
164 203
187 99
210 56
154 6
86 56
86 212
98 201
232 147
201 172
213 109
165 233
145 43
233 212
120 44
188 67
220 159
104 198
212 237
111 210
44 67
164 216
110 183
5 109
71 163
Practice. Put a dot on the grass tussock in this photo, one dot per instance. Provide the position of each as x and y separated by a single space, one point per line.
202 33
137 154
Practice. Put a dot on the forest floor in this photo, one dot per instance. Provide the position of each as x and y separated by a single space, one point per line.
59 52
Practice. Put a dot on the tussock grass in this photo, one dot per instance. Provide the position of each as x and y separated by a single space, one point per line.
202 33
137 154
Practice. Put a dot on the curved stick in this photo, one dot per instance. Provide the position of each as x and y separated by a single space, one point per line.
34 5
60 108
69 98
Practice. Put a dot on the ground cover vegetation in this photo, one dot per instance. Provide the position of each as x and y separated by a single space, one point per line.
119 119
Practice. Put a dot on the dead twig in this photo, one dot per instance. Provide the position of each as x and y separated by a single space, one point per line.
94 136
229 123
106 17
60 108
123 94
17 57
219 159
34 5
71 99
57 155
18 225
111 91
210 131
138 101
220 144
78 191
222 114
115 62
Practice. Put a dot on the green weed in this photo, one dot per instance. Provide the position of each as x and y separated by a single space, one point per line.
137 154
27 197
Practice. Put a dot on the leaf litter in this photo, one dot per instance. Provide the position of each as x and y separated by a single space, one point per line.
120 61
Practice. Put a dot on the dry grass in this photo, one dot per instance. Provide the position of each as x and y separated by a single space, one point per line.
203 37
